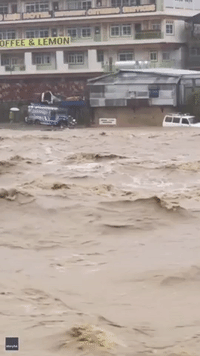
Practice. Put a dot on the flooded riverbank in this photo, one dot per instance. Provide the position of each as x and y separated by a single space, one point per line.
100 241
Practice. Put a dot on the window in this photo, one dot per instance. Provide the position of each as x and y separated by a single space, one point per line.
170 28
176 120
76 58
86 5
6 61
129 2
14 61
86 32
126 30
43 59
55 6
100 56
115 3
72 32
168 119
72 5
114 31
154 93
166 56
156 26
195 51
44 33
7 35
185 121
153 56
30 34
14 8
37 33
126 56
3 9
54 32
37 7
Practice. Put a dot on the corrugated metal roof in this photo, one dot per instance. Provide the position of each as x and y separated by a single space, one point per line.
164 71
146 76
136 78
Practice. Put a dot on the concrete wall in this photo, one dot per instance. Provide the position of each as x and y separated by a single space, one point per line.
127 117
29 89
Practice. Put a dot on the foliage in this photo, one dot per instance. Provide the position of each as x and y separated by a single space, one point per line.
193 103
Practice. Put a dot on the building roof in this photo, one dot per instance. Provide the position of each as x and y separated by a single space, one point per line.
165 71
145 76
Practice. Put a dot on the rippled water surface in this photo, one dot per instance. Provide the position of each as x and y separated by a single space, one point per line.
100 228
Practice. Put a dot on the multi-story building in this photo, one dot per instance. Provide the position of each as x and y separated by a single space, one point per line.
69 41
193 42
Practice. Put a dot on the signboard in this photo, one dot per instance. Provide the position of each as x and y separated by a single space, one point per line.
144 8
107 121
35 42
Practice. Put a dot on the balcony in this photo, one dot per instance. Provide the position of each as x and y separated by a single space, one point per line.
150 34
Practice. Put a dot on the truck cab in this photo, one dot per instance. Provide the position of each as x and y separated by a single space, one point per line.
180 120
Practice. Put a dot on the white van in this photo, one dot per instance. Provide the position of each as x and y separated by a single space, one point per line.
181 120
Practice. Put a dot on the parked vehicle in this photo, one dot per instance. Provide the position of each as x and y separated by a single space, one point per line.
49 115
180 120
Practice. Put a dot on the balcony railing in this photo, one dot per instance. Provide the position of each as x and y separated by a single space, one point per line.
141 35
45 67
15 68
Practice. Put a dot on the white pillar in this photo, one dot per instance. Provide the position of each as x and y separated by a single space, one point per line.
2 68
30 68
60 65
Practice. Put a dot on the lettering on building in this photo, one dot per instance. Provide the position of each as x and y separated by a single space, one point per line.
105 11
107 121
70 13
35 42
11 17
146 8
35 15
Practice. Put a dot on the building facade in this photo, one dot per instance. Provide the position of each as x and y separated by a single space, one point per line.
193 42
74 40
137 97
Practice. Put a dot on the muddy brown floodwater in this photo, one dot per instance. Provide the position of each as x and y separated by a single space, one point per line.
100 241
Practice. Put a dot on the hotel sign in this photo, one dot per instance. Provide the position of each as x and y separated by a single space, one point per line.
36 15
72 13
35 42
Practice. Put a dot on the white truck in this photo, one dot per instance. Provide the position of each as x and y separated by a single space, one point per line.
180 120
